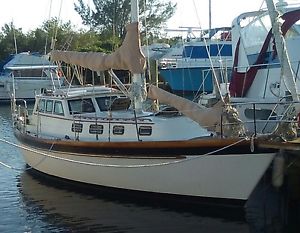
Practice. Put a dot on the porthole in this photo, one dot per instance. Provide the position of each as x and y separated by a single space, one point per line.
118 130
145 130
96 129
77 127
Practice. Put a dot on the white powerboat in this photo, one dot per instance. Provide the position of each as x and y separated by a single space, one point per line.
26 75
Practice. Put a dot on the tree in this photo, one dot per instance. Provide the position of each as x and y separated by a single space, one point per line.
113 15
9 36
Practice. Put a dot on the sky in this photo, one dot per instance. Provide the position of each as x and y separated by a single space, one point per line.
30 14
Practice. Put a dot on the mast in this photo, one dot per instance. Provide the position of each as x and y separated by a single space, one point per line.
138 83
287 73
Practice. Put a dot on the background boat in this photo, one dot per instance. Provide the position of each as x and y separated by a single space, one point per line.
188 69
257 88
26 74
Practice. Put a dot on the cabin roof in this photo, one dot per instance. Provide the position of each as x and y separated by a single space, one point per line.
75 92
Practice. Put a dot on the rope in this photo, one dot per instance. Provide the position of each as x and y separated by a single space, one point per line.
21 169
114 165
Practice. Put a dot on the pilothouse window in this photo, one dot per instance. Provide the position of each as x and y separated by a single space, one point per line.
49 106
104 103
113 103
41 105
81 106
58 108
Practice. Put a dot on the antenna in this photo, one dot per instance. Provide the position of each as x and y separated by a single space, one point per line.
209 15
15 39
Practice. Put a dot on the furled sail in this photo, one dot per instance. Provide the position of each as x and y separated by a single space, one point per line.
127 57
210 118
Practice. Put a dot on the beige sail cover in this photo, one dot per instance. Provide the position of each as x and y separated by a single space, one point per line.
209 118
206 117
127 57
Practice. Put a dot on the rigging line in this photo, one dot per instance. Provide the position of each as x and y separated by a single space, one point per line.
122 166
41 161
22 169
46 42
15 39
55 29
210 60
147 40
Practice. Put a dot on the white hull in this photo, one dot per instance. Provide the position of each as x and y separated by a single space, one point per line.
214 176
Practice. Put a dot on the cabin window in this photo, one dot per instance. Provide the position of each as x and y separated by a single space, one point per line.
58 108
260 114
220 50
81 106
77 127
118 130
29 73
187 51
41 105
113 103
104 103
199 52
96 129
49 106
145 130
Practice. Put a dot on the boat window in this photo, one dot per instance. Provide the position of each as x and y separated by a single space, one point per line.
258 29
118 130
58 108
49 106
81 106
104 103
195 52
77 127
41 105
260 114
121 103
294 30
29 73
220 50
187 51
145 130
96 129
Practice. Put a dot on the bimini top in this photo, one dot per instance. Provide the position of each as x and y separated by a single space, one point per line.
28 60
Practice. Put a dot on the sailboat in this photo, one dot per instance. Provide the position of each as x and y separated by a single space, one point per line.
258 89
102 136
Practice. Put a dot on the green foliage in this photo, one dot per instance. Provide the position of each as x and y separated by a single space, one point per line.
106 21
113 15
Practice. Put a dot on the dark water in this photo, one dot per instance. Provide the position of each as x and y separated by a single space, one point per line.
32 204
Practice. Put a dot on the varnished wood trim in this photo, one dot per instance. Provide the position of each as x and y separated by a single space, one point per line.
145 148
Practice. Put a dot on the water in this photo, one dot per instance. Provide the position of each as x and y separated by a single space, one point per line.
32 204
